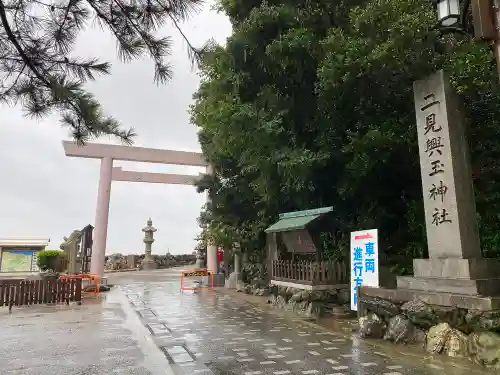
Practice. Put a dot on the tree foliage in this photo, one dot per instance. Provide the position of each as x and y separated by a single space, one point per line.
310 104
39 70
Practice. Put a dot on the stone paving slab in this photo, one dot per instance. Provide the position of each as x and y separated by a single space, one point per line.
146 326
79 340
229 337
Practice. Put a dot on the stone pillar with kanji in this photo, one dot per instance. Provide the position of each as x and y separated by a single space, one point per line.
148 263
455 263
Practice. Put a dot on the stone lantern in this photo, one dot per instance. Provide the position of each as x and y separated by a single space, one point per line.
148 263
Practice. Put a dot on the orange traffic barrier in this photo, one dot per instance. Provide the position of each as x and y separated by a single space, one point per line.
91 278
197 272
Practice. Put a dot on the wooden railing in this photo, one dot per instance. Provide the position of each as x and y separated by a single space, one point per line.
311 273
20 292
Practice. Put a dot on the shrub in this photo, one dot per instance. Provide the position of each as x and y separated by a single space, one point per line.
48 259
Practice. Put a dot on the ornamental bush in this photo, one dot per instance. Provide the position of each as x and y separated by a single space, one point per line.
48 259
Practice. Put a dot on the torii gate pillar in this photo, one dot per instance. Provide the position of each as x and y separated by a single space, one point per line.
102 217
108 153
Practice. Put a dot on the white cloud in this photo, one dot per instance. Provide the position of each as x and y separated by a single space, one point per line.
45 194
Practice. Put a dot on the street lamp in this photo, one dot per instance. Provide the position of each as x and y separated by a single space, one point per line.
449 13
453 17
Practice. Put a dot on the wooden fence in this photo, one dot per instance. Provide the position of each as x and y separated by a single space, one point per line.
310 273
20 292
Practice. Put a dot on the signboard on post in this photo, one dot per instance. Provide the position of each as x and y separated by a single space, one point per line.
364 262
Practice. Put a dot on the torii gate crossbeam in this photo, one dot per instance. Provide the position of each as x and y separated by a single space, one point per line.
108 153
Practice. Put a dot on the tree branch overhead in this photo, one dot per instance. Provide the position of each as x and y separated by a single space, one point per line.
39 71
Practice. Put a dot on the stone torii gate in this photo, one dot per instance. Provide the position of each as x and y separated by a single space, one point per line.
108 153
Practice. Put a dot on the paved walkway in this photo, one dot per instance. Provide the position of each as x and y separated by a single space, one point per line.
146 326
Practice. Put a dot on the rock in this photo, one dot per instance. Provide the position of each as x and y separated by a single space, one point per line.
240 287
308 310
437 337
317 295
399 330
285 292
304 294
297 297
457 344
484 348
247 289
371 326
273 290
261 292
420 314
454 316
380 307
484 320
343 296
279 302
259 283
419 336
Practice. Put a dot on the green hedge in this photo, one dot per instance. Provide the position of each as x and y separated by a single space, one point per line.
48 259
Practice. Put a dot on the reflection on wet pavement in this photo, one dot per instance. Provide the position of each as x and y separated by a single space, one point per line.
210 333
88 339
146 326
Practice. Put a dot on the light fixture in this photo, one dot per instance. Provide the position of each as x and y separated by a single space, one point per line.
453 15
479 19
448 12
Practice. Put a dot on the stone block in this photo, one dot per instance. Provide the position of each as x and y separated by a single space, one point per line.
448 193
484 287
400 296
457 268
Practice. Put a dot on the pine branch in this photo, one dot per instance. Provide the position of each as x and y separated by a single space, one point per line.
38 70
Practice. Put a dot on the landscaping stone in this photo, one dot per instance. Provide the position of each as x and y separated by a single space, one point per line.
278 301
262 292
380 307
304 303
343 296
297 297
437 337
318 296
455 332
420 314
484 348
454 316
371 326
247 289
419 336
457 344
273 290
399 330
484 320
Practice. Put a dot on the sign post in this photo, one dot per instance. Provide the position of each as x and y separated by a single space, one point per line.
364 262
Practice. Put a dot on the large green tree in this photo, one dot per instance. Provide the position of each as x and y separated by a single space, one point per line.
39 70
310 104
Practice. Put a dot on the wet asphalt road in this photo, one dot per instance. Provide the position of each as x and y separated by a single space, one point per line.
146 326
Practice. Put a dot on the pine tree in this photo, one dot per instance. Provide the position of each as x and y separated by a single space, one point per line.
39 72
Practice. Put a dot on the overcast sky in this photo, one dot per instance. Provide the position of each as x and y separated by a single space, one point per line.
45 194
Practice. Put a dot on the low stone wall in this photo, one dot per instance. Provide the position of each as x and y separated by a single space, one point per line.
116 262
303 303
451 331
